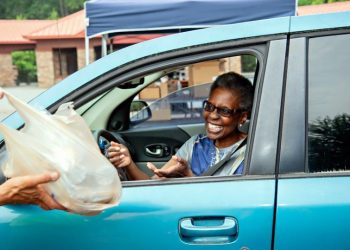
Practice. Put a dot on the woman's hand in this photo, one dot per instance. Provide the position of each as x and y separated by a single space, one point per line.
176 167
119 155
28 190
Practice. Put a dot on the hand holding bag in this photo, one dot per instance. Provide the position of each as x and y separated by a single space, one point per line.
61 142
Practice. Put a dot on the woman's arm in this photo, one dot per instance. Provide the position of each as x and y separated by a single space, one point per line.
175 167
120 157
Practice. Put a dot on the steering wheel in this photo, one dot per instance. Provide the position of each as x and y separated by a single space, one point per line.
103 138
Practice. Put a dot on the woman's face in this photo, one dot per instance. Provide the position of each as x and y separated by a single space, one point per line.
220 128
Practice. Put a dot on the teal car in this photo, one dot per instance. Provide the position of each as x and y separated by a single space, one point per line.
294 193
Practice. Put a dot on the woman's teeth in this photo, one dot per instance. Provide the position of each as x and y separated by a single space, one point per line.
214 128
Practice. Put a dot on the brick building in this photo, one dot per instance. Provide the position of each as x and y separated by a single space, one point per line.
59 46
12 39
323 8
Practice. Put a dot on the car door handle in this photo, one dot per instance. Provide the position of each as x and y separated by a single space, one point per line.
208 227
156 152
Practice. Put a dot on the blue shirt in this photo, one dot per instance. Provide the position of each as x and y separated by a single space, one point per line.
201 154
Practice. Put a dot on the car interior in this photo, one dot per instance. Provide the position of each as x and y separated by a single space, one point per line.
154 114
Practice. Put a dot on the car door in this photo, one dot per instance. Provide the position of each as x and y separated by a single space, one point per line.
220 212
313 199
227 212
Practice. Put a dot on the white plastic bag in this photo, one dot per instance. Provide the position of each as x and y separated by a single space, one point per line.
61 142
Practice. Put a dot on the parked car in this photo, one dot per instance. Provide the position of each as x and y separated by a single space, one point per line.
294 193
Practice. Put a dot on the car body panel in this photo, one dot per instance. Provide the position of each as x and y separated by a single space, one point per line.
148 216
313 213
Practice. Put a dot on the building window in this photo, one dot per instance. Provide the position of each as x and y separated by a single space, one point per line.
65 62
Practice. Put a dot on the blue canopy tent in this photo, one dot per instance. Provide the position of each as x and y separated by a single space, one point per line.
110 17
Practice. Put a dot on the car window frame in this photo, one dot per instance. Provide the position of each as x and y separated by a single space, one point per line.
258 50
250 49
293 161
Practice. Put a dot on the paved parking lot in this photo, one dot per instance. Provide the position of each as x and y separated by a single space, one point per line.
25 93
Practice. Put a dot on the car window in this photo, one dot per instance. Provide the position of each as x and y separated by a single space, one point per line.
157 113
329 102
177 97
180 107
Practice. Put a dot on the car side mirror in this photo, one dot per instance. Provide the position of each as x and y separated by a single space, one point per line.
139 112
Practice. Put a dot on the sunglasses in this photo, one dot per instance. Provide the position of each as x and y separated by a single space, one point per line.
226 112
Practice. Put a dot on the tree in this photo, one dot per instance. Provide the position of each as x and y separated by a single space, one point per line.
26 65
329 144
38 9
315 2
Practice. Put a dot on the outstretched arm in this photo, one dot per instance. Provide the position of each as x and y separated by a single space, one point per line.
120 157
28 190
175 167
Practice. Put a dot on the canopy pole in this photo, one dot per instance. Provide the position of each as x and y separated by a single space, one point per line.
87 51
110 46
104 44
87 45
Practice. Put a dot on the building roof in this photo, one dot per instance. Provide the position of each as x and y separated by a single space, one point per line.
71 26
323 8
13 31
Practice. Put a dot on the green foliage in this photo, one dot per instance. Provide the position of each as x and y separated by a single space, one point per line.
315 2
53 15
26 65
38 9
310 2
329 144
248 63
